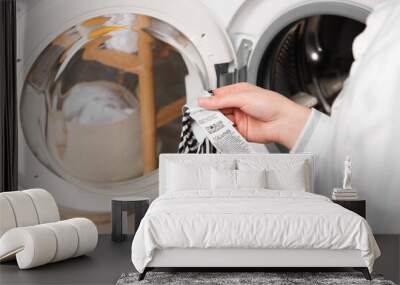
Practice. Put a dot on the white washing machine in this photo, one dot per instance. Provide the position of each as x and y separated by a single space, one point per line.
100 82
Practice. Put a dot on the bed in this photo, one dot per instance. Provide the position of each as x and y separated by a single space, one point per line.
246 211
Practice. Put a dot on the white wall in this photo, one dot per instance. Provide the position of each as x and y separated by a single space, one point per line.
224 10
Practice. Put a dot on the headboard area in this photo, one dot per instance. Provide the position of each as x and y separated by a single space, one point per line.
283 163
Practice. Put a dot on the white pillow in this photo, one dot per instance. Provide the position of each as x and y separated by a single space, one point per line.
281 174
188 177
292 179
223 179
251 178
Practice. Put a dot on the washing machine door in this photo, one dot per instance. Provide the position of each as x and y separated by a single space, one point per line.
101 85
299 48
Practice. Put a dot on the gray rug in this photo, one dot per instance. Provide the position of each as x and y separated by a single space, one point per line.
269 278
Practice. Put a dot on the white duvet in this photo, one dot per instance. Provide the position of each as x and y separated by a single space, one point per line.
250 219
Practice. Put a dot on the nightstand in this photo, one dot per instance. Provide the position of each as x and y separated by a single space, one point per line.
357 206
122 204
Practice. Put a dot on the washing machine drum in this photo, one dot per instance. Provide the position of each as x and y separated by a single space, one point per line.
102 83
309 60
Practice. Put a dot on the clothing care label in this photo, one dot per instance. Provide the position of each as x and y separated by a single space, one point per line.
220 131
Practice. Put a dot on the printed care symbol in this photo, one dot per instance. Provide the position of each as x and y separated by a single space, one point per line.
215 127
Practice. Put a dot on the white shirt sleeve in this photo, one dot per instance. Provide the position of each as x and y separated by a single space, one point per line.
315 129
315 139
364 124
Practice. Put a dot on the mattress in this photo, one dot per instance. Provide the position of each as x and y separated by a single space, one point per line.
251 219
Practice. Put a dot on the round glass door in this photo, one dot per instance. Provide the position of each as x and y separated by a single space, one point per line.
104 99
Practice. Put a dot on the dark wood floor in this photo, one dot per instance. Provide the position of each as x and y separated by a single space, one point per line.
103 266
110 260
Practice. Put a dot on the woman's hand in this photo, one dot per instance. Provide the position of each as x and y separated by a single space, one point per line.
260 115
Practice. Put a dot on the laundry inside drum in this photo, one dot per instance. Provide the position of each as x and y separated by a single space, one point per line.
104 99
309 60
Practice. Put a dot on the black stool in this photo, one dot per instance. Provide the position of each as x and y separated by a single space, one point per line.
121 204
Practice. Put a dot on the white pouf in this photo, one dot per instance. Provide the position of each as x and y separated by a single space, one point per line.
23 208
7 216
45 205
37 245
30 230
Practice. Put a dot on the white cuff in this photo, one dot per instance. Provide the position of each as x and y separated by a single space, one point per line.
313 132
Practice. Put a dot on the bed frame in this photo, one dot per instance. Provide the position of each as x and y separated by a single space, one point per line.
242 259
260 259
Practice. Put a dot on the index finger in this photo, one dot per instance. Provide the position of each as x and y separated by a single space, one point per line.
234 88
223 101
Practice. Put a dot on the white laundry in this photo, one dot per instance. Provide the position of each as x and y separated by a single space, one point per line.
124 40
120 20
365 123
91 103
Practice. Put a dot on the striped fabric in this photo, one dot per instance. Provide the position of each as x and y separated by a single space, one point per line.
188 142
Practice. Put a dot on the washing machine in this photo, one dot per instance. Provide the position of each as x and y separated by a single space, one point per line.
101 83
